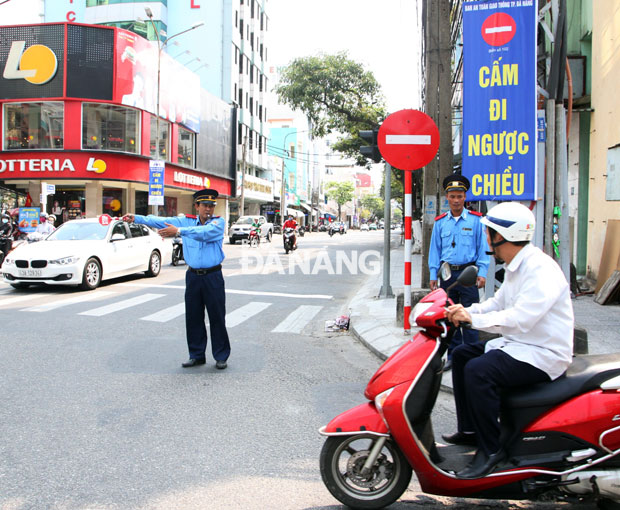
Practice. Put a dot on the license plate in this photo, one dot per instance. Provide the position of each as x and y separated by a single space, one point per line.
29 272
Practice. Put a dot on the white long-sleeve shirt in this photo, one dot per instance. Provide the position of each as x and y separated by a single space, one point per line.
532 311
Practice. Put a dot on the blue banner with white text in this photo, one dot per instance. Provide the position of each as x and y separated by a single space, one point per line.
499 99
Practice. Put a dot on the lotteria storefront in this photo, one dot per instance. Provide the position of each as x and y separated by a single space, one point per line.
77 112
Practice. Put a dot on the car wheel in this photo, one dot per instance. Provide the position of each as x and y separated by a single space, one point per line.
20 285
231 240
154 264
91 278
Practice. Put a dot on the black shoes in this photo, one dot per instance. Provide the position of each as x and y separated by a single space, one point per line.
460 438
221 364
447 366
482 465
193 363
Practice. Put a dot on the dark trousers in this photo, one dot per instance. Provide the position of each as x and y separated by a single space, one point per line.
206 291
466 296
477 379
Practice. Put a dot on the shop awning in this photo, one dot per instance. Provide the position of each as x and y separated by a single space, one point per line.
294 212
306 207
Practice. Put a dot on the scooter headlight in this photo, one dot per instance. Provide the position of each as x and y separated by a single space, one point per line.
380 400
418 310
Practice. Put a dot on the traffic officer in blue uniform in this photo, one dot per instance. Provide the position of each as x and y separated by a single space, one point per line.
202 236
458 238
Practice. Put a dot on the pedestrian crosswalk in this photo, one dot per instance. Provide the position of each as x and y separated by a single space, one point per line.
101 303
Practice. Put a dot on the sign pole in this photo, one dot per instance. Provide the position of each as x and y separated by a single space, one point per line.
408 246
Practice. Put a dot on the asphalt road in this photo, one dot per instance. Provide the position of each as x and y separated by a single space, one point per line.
97 412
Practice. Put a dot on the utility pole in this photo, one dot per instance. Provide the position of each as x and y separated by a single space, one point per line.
438 93
242 201
386 288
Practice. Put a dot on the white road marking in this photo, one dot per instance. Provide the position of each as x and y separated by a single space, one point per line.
244 313
23 297
167 314
69 301
121 305
279 294
297 320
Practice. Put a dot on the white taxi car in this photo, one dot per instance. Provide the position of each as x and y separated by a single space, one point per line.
84 253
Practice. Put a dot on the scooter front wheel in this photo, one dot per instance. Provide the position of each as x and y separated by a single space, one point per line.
342 461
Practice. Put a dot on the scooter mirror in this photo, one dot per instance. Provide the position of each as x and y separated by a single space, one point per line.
468 277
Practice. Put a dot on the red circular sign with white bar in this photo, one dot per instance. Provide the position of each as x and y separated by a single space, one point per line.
105 219
498 29
408 139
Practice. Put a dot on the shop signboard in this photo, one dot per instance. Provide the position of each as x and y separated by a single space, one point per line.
28 219
156 182
54 166
499 99
136 81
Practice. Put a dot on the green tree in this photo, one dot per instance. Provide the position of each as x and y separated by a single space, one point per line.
337 95
375 205
340 192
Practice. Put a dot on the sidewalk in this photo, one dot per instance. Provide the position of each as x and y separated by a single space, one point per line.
373 320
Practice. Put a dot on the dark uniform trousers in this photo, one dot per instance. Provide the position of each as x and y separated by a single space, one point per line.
478 379
466 296
206 291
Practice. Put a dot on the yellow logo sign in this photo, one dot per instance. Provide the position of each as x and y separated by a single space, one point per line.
96 165
37 64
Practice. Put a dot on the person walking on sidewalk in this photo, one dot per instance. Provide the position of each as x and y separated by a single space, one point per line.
458 239
532 311
204 284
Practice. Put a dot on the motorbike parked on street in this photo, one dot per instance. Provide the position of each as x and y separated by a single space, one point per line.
177 250
562 438
288 237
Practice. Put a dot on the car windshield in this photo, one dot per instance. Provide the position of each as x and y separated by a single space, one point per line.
245 221
79 232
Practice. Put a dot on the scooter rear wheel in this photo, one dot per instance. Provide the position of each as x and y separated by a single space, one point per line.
342 460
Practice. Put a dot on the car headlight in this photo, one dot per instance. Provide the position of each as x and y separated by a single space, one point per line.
65 260
418 310
9 261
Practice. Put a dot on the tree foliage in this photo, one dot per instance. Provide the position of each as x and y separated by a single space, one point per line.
375 205
340 192
337 95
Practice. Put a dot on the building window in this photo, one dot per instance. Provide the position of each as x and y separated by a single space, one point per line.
240 98
109 127
164 137
33 126
186 147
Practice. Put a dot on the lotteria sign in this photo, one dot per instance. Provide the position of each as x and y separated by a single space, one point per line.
101 166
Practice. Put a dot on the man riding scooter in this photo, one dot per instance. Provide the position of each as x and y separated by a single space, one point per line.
291 223
6 229
532 311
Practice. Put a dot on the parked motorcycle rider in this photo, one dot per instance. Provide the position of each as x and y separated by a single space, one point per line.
44 227
532 311
6 230
291 223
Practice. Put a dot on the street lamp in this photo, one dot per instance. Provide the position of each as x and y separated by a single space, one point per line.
160 46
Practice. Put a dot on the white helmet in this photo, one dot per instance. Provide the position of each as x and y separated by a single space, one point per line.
514 221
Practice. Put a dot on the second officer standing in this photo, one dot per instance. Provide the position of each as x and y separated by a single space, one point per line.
458 238
204 284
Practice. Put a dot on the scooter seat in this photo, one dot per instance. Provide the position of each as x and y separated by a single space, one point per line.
586 373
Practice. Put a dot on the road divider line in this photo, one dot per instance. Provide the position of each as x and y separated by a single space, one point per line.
69 301
297 320
167 314
121 305
245 312
278 294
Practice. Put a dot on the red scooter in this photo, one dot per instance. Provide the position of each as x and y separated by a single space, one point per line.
562 437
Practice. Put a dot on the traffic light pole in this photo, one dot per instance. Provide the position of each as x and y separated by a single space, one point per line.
386 289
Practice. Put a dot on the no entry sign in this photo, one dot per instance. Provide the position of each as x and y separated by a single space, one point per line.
408 139
498 29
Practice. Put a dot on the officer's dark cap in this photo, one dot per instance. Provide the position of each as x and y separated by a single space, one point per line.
456 182
206 195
